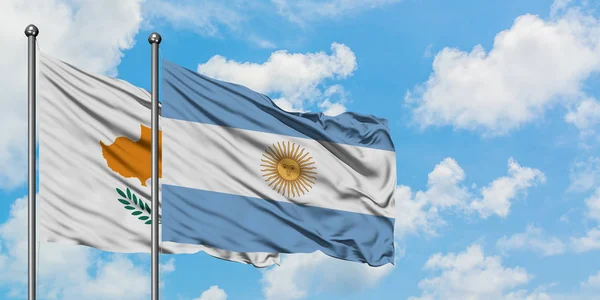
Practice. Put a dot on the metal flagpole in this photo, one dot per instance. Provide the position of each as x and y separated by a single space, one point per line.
31 32
154 41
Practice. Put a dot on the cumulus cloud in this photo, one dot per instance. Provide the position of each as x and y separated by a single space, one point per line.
204 17
525 295
302 11
585 116
75 31
532 239
589 242
292 79
472 275
593 206
532 67
496 196
420 211
83 273
585 175
213 293
167 267
593 282
415 213
300 274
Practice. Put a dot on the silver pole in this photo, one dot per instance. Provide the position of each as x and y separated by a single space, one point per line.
31 32
154 41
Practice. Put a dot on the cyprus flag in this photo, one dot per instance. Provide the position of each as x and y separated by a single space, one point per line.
94 165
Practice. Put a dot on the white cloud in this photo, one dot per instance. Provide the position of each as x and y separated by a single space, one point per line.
496 196
471 275
585 175
332 109
586 116
261 42
213 293
534 65
559 6
420 211
593 205
593 282
415 214
295 78
524 295
428 51
302 11
204 16
532 239
335 98
167 267
83 273
75 31
299 274
589 242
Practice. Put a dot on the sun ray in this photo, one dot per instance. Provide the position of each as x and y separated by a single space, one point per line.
306 163
296 148
270 175
273 153
297 158
269 165
285 187
274 182
302 157
297 188
302 186
268 159
307 179
308 176
278 149
280 184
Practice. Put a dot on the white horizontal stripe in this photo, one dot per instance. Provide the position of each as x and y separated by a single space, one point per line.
228 160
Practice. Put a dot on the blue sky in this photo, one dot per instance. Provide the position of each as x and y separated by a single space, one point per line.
492 106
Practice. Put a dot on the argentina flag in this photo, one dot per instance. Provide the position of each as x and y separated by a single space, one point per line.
241 174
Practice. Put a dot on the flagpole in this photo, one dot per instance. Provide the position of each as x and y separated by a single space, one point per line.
154 39
31 33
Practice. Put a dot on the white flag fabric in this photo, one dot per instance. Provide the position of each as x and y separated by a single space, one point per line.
94 165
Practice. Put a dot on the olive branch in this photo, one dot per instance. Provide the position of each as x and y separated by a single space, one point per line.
139 207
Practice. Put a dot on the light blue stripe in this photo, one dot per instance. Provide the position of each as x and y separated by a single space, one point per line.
190 96
246 224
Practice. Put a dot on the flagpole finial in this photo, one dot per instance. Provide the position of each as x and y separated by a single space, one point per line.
154 38
31 30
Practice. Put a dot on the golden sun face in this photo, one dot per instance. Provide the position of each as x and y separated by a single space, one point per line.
288 169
